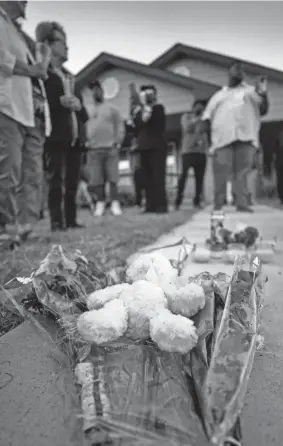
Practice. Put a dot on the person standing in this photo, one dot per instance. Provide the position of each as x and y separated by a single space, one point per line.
194 148
24 123
150 124
63 146
232 119
105 132
134 153
279 166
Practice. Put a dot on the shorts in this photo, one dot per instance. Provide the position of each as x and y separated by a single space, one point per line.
103 166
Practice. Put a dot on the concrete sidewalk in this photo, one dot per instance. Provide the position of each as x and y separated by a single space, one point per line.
33 404
263 412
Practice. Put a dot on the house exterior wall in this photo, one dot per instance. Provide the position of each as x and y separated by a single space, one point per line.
216 74
175 99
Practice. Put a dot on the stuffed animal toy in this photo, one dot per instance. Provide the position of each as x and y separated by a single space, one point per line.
155 304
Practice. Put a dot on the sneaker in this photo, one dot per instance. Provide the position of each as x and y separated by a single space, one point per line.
4 236
24 231
100 209
57 227
116 208
75 225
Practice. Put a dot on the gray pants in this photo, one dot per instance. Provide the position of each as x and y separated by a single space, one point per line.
21 151
233 162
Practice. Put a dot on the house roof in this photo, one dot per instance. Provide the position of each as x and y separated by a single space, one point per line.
106 61
180 50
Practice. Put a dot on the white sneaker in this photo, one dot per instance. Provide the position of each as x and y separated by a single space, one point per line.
100 208
116 208
24 231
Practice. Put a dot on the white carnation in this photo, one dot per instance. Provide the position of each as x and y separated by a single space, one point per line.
152 267
173 333
143 300
186 300
99 298
104 325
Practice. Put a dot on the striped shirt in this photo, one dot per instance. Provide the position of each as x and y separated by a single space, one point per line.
194 140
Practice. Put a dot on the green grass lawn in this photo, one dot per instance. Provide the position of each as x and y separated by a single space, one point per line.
109 241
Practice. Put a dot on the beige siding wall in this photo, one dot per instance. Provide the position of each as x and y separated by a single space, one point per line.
216 74
174 98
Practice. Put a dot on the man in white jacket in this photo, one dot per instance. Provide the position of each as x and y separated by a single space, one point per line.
24 122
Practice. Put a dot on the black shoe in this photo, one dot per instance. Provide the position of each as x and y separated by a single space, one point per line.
75 225
245 209
162 210
57 227
198 206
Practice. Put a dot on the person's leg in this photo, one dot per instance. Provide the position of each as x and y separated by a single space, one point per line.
11 143
244 158
147 177
279 175
137 178
182 179
73 165
43 197
55 163
112 176
222 168
29 196
96 169
199 165
158 167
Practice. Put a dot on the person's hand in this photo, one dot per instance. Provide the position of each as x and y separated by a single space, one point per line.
71 102
146 113
261 85
75 104
38 71
65 101
117 146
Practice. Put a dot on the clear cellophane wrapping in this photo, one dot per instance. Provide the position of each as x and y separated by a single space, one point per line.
131 393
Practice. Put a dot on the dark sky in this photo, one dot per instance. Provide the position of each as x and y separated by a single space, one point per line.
142 30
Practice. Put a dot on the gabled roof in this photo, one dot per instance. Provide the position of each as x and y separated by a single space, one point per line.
106 61
180 50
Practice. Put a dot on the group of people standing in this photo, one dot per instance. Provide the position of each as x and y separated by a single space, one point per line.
227 128
44 124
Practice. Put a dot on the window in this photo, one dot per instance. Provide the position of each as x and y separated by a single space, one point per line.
110 87
182 70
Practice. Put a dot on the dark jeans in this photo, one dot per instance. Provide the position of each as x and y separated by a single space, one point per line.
138 185
63 168
279 173
196 161
138 179
153 171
